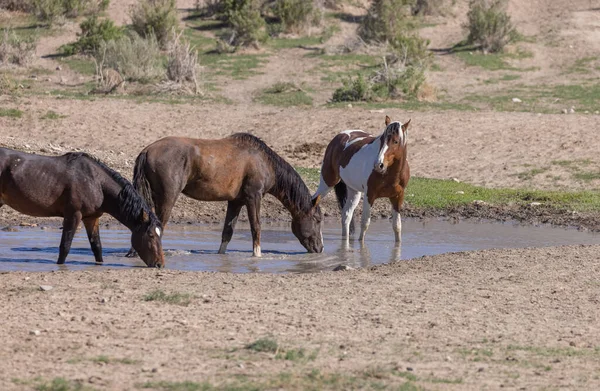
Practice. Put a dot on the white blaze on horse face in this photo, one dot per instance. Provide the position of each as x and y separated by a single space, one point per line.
380 158
157 231
356 174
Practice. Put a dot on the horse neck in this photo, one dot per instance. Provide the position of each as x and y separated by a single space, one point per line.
398 167
111 190
283 189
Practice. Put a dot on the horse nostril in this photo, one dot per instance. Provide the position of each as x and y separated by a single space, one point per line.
381 166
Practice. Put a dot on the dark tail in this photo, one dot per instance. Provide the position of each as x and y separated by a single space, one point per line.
140 181
341 192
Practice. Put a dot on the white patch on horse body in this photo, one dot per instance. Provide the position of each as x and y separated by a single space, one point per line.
157 231
349 143
349 132
359 168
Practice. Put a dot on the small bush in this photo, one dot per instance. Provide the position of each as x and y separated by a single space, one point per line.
182 62
265 344
396 81
15 49
246 22
295 15
410 50
489 25
353 90
53 10
135 58
427 7
16 5
386 19
154 17
93 33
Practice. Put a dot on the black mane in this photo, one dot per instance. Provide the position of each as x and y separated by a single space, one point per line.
288 183
131 204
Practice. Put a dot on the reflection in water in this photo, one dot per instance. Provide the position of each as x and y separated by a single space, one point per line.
195 247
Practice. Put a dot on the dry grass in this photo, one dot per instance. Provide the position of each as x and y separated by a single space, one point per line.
16 50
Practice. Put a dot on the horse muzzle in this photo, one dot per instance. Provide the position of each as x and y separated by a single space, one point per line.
380 168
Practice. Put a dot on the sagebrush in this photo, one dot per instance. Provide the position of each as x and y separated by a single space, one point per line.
16 5
246 22
295 15
489 25
386 19
93 32
15 49
135 58
154 17
51 11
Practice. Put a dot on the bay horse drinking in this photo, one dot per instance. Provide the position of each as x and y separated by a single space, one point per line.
357 163
78 187
239 169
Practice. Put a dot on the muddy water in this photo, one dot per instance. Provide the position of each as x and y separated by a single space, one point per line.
195 247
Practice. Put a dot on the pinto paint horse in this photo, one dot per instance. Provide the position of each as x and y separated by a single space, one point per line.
357 163
239 169
78 187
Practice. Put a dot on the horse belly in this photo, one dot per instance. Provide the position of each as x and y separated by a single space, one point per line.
33 205
356 174
212 190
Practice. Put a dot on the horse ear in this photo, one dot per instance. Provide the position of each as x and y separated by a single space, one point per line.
316 201
145 217
387 120
405 126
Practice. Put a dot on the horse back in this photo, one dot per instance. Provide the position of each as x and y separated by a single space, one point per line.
340 151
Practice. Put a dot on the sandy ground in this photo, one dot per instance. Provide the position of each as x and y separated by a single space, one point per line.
512 319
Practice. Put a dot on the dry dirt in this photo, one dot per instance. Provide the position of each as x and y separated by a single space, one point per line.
512 319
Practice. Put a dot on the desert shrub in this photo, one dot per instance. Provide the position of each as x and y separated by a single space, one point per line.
154 17
135 58
353 90
386 19
15 49
16 5
489 25
295 15
52 10
182 62
211 8
93 33
246 22
396 80
410 50
427 7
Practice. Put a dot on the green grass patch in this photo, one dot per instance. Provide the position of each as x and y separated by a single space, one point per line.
61 384
288 43
443 194
493 61
236 66
408 105
12 113
81 65
265 344
337 67
587 176
177 386
285 95
582 65
530 174
297 355
52 115
557 351
111 360
183 299
508 77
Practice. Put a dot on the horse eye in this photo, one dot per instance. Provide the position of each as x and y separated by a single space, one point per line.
396 142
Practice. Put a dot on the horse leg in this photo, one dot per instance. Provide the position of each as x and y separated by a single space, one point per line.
70 225
93 232
396 219
348 211
253 206
366 218
233 211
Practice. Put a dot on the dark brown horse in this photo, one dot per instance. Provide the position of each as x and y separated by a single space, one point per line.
78 187
239 169
357 163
